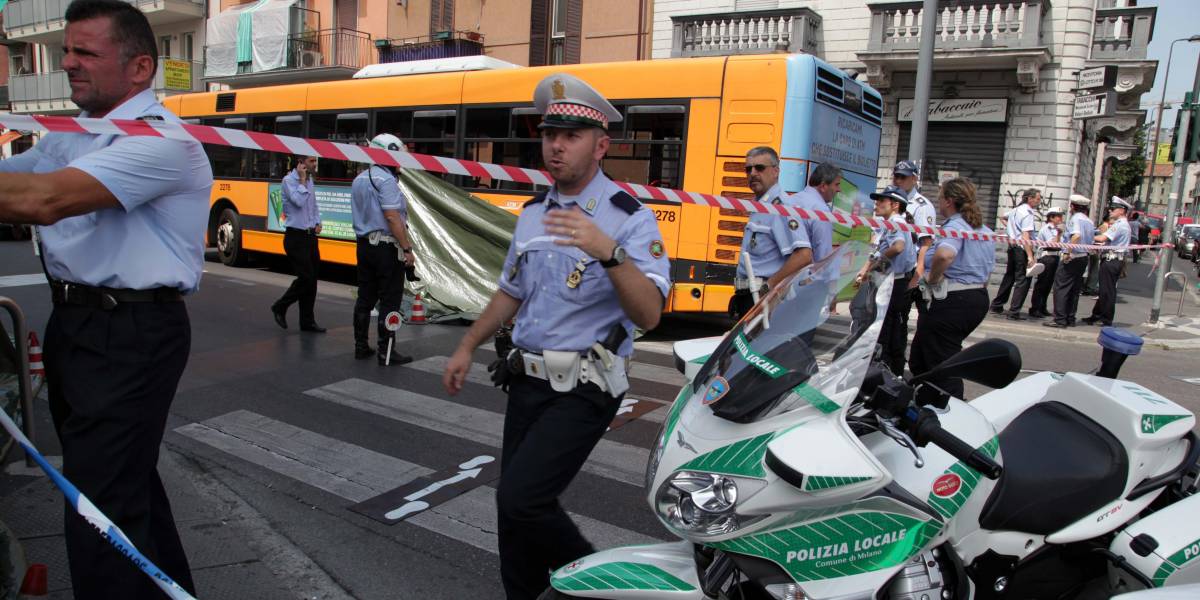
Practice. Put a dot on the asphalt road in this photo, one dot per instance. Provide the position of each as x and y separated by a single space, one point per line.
292 432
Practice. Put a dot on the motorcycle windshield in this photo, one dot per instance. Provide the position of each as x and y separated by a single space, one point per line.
806 344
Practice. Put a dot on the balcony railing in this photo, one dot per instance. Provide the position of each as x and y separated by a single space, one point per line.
1122 33
896 26
746 32
42 15
322 49
448 45
51 90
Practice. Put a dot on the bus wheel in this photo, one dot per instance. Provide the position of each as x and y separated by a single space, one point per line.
229 239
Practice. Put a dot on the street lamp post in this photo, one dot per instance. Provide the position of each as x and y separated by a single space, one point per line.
1144 204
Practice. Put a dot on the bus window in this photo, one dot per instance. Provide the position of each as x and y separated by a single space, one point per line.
487 139
227 162
347 128
395 122
274 165
649 150
525 123
434 132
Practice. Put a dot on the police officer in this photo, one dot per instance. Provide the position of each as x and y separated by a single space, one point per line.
383 251
586 266
122 231
303 222
770 241
1135 234
896 247
921 211
1021 226
1050 232
1116 234
1068 281
954 289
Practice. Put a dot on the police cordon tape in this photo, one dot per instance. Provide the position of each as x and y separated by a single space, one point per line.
104 526
256 140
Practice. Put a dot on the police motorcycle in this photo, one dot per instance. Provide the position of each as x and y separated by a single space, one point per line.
791 467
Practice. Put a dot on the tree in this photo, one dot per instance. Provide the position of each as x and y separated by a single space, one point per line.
1125 176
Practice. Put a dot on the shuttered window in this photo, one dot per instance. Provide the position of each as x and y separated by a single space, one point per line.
973 150
441 16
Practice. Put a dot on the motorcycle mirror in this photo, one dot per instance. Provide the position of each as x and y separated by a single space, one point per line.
992 362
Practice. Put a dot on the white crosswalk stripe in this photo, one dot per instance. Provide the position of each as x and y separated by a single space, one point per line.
357 474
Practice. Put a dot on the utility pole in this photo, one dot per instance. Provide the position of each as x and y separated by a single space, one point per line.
1144 203
1168 235
920 122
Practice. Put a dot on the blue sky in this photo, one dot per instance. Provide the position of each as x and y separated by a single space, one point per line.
1175 19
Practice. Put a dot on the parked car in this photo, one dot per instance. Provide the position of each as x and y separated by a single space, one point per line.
1189 240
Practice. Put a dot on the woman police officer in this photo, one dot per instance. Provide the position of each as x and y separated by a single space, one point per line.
954 289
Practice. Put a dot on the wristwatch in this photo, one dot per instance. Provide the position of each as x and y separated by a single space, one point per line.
618 257
407 250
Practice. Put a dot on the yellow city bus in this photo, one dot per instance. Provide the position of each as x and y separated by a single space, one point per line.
687 124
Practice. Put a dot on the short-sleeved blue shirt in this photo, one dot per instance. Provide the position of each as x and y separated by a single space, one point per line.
770 239
907 259
974 260
372 192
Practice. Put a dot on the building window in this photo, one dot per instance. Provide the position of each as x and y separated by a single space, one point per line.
164 46
441 16
558 31
555 31
188 45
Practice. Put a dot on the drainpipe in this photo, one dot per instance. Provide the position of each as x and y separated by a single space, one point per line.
641 24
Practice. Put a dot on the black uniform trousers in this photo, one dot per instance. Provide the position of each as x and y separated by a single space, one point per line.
1045 283
1014 281
1106 304
112 375
548 435
942 325
380 280
893 338
1068 284
304 254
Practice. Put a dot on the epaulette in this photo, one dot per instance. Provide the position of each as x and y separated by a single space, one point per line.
536 199
625 202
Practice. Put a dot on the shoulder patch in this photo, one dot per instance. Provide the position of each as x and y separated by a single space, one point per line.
625 202
536 199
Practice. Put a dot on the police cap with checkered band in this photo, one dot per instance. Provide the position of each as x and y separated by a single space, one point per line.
566 101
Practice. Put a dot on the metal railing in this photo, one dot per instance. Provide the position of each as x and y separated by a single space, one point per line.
451 45
745 32
53 85
1122 33
960 24
24 13
330 48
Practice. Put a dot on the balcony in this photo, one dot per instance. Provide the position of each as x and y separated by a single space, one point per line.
444 45
49 93
970 34
1122 33
320 55
42 21
746 32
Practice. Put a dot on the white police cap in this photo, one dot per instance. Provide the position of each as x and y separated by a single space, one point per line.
1080 200
567 101
1117 202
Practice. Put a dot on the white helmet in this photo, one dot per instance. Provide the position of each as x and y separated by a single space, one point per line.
388 141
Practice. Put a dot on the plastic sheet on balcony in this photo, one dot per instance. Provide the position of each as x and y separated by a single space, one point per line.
258 31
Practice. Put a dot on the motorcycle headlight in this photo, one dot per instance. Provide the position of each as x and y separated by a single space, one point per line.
700 503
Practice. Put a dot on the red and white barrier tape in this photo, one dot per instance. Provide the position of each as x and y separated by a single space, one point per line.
271 142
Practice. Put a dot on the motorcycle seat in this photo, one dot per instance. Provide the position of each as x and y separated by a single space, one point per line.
1059 466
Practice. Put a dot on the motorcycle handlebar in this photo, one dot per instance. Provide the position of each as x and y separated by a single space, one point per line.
929 429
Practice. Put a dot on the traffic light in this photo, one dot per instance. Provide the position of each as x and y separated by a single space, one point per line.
1192 150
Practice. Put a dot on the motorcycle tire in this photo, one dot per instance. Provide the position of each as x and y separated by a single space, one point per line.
553 594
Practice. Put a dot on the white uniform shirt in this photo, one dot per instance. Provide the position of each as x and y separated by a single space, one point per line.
922 211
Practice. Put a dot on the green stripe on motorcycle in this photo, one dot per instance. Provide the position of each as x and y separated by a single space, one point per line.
619 576
740 458
949 506
773 369
814 483
814 397
1175 562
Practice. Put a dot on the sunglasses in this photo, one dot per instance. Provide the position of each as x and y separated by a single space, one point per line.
759 168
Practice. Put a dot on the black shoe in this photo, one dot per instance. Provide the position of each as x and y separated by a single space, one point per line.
312 328
363 353
1055 324
1038 314
280 317
997 311
397 359
1091 321
1016 317
1072 323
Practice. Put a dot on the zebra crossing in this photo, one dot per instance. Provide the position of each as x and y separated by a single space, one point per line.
354 473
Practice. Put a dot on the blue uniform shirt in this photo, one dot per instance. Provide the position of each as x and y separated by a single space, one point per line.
1118 234
555 316
372 192
907 259
770 239
1082 226
1020 220
973 260
155 238
816 234
300 202
1047 233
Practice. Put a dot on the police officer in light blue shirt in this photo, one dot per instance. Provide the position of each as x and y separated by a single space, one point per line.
1068 281
586 265
122 222
770 241
303 221
897 248
1022 225
383 253
1050 232
955 284
1111 262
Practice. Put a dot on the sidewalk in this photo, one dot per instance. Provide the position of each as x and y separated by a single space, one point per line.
1134 300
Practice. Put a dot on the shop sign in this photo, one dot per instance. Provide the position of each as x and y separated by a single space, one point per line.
1091 106
960 110
1097 78
177 74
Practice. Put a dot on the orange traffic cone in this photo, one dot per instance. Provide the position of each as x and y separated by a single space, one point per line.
418 311
34 585
35 356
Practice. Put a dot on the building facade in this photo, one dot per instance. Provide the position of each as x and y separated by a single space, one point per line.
1003 87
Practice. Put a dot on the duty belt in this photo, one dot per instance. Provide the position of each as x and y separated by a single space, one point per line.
1113 255
78 294
744 283
954 286
565 370
378 237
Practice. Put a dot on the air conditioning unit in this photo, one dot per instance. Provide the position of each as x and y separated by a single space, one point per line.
307 59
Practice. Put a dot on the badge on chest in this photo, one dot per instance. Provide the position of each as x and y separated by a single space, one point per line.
576 276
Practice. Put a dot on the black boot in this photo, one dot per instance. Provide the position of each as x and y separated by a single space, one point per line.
397 358
362 346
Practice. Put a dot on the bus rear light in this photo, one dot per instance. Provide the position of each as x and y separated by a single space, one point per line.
730 240
737 226
728 255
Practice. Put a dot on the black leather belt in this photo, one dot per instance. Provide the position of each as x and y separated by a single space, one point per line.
309 231
78 294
